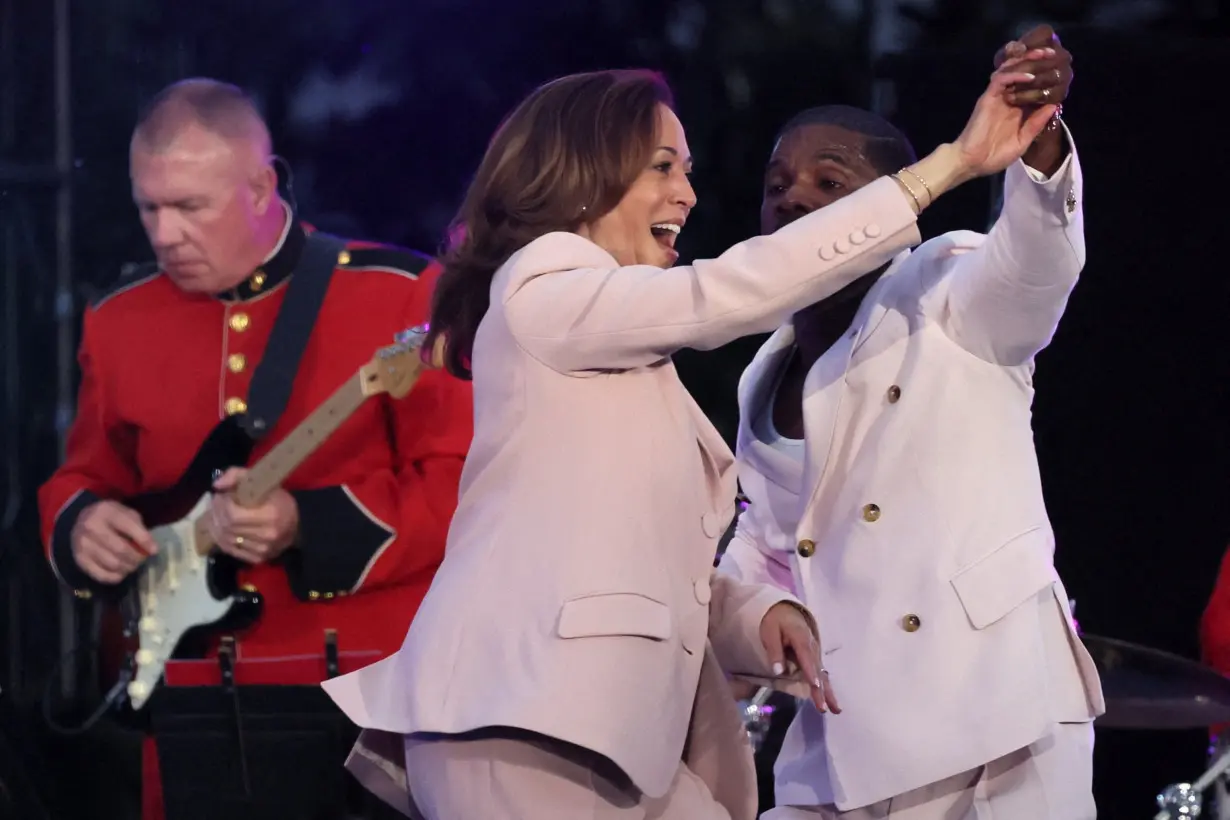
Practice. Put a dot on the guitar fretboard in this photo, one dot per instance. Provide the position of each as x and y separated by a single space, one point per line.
268 474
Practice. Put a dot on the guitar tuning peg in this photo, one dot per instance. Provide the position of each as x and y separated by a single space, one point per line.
413 337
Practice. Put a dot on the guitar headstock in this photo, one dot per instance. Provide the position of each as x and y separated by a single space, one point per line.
395 369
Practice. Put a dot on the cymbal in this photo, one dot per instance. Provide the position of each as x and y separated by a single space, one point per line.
1150 689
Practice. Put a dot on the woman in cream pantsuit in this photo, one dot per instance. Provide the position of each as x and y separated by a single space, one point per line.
565 663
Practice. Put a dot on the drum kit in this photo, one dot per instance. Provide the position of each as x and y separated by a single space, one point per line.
1150 689
1144 689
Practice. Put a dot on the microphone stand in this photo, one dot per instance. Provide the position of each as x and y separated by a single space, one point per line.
756 717
1182 800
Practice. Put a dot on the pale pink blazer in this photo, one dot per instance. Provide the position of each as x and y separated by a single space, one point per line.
576 597
945 626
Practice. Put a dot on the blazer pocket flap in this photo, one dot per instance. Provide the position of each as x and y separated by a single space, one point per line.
615 613
1002 580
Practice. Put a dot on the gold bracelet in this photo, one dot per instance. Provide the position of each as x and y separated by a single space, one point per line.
926 187
918 209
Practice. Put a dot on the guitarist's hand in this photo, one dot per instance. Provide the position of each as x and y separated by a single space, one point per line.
251 534
109 541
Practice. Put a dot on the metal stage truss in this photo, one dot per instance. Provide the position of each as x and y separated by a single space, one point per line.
36 247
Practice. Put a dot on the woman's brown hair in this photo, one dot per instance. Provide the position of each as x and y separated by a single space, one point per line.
565 156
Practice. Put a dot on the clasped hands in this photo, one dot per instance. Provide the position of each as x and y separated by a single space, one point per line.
1012 120
1040 55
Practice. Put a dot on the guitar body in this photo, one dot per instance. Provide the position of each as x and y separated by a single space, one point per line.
188 590
182 597
226 446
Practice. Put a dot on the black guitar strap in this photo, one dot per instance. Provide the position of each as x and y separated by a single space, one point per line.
275 375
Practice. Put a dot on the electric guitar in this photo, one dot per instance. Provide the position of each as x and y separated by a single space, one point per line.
188 586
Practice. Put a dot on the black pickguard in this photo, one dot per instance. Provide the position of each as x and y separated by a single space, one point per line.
226 446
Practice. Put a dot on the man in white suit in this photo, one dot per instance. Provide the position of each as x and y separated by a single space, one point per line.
886 450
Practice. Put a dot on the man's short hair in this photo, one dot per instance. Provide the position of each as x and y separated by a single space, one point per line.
888 149
218 107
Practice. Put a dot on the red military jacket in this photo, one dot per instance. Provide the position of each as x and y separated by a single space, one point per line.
160 368
1215 623
1215 626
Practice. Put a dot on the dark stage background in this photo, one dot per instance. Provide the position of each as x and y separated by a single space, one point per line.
382 109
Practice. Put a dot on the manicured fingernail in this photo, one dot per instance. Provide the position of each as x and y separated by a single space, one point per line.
1029 78
779 669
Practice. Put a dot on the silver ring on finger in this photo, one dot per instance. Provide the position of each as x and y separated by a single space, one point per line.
238 540
1046 93
1058 76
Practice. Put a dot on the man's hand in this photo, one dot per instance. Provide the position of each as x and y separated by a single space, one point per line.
785 631
1050 86
109 542
1052 72
251 534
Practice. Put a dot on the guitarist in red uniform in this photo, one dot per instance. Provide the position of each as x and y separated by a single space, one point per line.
352 539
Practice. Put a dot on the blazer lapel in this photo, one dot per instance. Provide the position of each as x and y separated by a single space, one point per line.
874 306
718 460
755 390
757 379
823 392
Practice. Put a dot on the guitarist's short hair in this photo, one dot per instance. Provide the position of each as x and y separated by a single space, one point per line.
218 107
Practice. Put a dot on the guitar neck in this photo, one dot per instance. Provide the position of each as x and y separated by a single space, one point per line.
268 474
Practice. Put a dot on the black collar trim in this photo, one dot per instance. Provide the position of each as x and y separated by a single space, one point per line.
275 271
